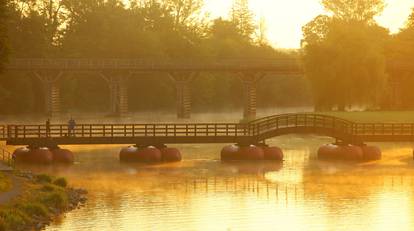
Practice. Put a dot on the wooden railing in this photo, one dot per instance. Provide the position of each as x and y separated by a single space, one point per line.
127 130
261 126
152 64
257 130
6 157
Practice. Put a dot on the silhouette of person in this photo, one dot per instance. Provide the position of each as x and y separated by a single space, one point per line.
71 127
47 127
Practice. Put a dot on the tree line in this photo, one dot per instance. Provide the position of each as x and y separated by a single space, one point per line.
345 53
350 59
147 29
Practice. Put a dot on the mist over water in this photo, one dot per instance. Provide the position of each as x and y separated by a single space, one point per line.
202 193
153 116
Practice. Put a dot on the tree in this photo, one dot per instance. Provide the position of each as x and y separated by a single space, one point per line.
400 53
354 10
345 55
242 17
4 50
410 20
261 35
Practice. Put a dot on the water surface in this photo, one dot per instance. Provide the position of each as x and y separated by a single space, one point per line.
202 193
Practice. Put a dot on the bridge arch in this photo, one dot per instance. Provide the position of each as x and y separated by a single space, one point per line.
305 123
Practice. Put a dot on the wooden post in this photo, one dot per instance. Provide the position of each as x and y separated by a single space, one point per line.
118 92
50 81
183 92
250 80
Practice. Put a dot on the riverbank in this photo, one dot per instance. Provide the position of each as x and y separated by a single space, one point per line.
36 201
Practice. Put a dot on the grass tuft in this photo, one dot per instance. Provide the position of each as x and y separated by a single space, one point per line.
62 182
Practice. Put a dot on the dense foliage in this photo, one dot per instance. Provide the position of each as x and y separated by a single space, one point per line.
345 54
3 33
155 29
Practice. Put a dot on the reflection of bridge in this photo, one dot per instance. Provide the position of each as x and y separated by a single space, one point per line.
249 133
116 72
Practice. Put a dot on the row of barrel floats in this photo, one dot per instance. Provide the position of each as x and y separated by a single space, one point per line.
43 155
163 154
349 152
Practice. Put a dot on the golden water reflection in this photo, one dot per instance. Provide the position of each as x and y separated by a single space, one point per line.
202 193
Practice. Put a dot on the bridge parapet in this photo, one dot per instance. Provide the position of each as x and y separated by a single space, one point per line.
272 65
254 132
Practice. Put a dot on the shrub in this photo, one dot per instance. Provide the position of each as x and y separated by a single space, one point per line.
55 199
61 182
43 178
13 218
36 209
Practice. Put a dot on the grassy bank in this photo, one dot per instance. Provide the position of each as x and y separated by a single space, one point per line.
41 199
4 183
375 116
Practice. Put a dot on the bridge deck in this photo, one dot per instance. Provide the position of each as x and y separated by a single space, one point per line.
253 132
280 65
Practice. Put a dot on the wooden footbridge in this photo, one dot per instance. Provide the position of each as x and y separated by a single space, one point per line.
254 132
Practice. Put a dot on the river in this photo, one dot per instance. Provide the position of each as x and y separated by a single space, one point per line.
202 193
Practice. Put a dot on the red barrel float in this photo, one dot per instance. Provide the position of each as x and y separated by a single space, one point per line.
170 155
149 155
371 153
251 152
63 156
273 153
39 156
230 152
328 152
350 152
21 154
128 154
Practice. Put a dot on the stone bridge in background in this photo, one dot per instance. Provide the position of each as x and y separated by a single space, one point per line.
116 72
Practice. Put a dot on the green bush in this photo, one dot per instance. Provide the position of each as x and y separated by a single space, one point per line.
62 182
48 188
43 178
36 209
55 199
13 218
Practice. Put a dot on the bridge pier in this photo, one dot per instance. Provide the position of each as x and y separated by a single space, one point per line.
118 93
51 89
183 92
250 80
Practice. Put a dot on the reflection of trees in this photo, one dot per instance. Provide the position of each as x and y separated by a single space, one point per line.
351 182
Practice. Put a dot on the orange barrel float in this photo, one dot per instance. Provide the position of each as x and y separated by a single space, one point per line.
230 152
21 154
328 152
148 154
341 152
273 153
350 152
128 154
251 152
371 153
63 156
170 155
39 156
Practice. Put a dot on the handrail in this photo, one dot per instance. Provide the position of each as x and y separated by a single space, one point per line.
258 129
152 63
6 157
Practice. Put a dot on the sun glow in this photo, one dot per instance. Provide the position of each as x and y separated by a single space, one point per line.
285 19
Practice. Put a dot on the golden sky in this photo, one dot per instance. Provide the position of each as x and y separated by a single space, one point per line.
285 18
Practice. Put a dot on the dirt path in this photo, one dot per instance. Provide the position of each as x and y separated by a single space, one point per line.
14 191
